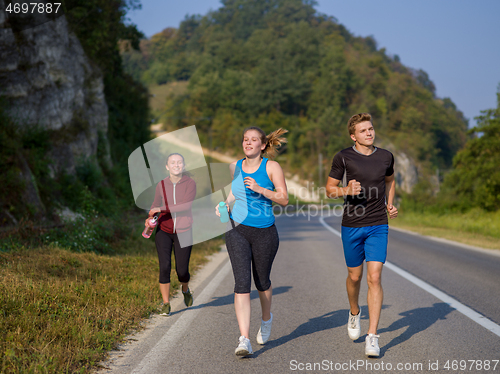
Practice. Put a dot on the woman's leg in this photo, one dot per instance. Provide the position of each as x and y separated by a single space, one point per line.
266 298
165 292
182 256
242 309
240 255
265 243
164 248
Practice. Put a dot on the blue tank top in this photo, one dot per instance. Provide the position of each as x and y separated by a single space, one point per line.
252 208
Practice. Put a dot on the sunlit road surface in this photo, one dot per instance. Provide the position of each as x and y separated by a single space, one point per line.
419 332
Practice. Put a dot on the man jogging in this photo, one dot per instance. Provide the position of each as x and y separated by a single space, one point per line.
368 189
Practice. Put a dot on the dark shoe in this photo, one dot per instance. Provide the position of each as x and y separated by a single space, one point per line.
188 298
165 309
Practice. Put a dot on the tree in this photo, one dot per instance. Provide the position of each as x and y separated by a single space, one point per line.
252 59
475 178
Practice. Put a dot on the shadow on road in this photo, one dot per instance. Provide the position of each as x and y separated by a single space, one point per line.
416 320
325 322
229 299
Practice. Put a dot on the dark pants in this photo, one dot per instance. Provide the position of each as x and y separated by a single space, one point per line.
164 244
252 249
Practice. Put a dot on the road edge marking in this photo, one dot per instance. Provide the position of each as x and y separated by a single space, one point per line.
150 363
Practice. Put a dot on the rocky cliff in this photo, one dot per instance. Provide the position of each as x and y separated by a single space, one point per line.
50 83
405 168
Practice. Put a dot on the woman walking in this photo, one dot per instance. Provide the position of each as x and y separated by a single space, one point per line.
253 241
174 196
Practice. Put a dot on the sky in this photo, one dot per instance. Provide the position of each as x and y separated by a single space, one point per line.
457 42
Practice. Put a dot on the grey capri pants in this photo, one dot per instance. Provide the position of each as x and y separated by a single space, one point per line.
252 249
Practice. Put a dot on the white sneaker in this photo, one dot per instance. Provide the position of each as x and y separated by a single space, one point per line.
371 345
244 348
264 331
353 326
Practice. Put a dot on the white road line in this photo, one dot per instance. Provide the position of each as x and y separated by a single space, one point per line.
465 310
153 360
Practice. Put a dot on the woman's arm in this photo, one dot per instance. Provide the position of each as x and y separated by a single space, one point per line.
230 198
280 195
156 206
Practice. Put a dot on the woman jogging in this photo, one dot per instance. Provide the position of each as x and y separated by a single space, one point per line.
174 196
253 241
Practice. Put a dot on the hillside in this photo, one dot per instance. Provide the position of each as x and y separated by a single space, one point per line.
280 63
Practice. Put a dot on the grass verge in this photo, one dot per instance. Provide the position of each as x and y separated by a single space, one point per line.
475 227
61 311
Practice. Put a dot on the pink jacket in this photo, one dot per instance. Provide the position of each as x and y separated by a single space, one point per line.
175 202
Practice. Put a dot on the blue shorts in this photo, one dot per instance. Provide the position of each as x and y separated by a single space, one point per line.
364 243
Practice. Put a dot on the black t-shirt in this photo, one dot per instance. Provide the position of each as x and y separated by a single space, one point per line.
367 208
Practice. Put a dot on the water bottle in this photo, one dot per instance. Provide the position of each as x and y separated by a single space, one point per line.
148 230
224 216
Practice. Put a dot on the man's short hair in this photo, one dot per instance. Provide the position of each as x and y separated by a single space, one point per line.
357 118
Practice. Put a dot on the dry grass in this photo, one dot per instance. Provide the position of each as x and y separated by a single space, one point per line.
61 311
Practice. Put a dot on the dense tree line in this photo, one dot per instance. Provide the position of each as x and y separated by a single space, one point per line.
281 63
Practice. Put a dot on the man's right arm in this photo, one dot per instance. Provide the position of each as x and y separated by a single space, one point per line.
333 190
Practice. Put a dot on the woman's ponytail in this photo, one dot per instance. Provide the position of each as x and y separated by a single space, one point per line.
273 141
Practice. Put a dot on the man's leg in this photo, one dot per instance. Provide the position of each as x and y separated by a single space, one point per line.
353 283
354 253
375 293
353 243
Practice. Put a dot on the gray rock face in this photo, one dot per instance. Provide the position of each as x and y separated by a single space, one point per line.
50 82
406 172
405 169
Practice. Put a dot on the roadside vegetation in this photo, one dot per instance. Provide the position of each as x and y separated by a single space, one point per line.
467 207
62 309
475 227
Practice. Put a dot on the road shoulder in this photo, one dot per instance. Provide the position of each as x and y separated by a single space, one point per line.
494 252
137 345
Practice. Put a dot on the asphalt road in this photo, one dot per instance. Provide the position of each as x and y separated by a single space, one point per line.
419 333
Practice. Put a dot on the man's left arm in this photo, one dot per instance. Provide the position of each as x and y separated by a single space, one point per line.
390 192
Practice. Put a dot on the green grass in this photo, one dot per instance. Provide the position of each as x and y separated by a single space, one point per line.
61 311
475 227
